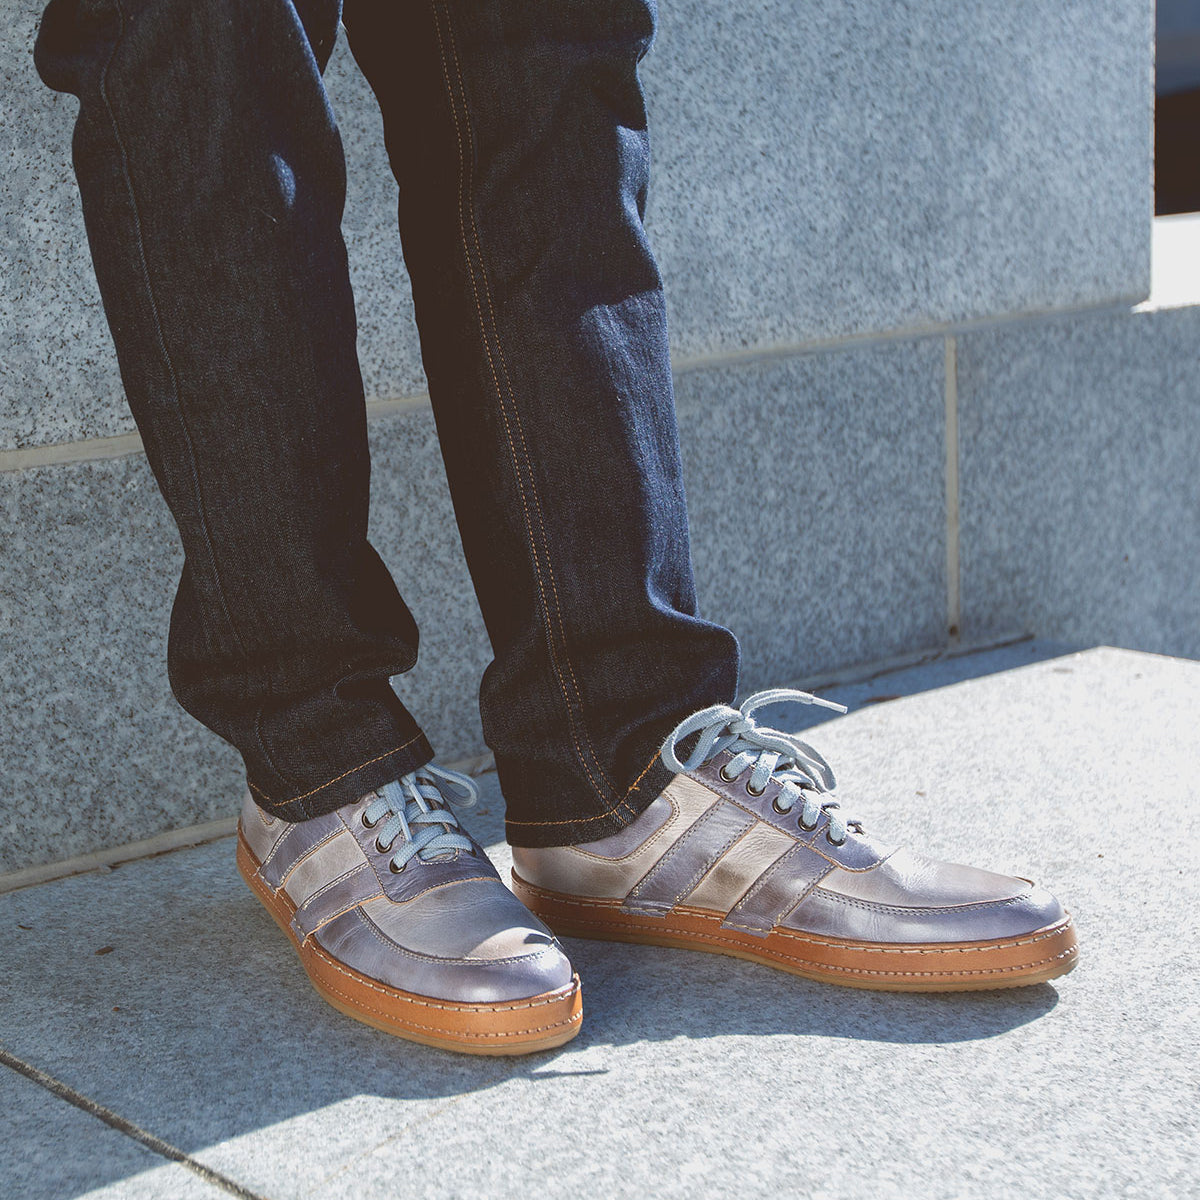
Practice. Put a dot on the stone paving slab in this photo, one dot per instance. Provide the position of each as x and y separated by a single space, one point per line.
50 1150
1079 500
696 1074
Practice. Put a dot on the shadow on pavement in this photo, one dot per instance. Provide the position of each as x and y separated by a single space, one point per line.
201 1026
648 993
164 992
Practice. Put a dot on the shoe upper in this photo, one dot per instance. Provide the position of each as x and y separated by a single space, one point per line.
752 829
441 924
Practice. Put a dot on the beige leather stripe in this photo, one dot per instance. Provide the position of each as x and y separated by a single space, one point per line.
578 872
297 843
689 860
326 863
738 869
778 890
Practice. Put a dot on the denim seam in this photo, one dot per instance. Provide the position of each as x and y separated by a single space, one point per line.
329 783
530 503
198 490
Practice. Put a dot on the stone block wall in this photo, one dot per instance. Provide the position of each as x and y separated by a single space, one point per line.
901 247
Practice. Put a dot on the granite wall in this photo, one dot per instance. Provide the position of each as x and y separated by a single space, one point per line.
900 245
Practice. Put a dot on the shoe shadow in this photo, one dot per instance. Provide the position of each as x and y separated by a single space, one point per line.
182 1008
648 993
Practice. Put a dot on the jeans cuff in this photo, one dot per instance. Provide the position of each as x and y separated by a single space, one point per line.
591 828
347 785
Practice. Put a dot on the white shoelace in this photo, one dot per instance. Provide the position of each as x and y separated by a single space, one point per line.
805 777
414 808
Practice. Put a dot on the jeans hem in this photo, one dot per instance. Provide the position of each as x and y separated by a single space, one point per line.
349 785
576 831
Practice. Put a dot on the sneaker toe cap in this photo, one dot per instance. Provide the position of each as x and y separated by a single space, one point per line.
466 943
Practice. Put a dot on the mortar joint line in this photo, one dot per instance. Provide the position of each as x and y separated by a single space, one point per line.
64 1091
126 444
953 563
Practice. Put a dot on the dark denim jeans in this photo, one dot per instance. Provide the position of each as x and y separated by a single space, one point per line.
213 180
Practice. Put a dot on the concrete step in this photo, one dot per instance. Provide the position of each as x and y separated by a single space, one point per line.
912 405
849 505
162 992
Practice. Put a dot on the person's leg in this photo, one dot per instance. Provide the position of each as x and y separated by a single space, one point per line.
212 179
517 132
639 809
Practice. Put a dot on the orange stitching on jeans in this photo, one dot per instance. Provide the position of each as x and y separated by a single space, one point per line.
304 796
169 363
525 445
525 501
451 80
622 803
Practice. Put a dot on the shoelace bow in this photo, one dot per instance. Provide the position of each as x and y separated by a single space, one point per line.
415 808
805 777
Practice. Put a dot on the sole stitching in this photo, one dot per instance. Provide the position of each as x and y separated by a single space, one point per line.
272 901
818 966
459 1034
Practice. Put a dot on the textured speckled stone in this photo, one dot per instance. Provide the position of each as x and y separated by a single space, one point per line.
816 490
1080 495
818 171
91 563
96 751
388 348
827 169
695 1074
54 1151
412 526
816 486
58 371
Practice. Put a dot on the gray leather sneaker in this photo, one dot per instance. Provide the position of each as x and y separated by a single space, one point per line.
401 920
747 852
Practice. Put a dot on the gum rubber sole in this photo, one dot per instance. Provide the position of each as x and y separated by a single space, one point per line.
508 1027
922 967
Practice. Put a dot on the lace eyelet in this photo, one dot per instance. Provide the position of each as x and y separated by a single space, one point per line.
367 824
783 812
724 776
806 827
395 870
751 791
832 842
381 849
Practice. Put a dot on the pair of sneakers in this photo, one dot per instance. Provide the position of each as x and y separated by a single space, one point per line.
401 920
